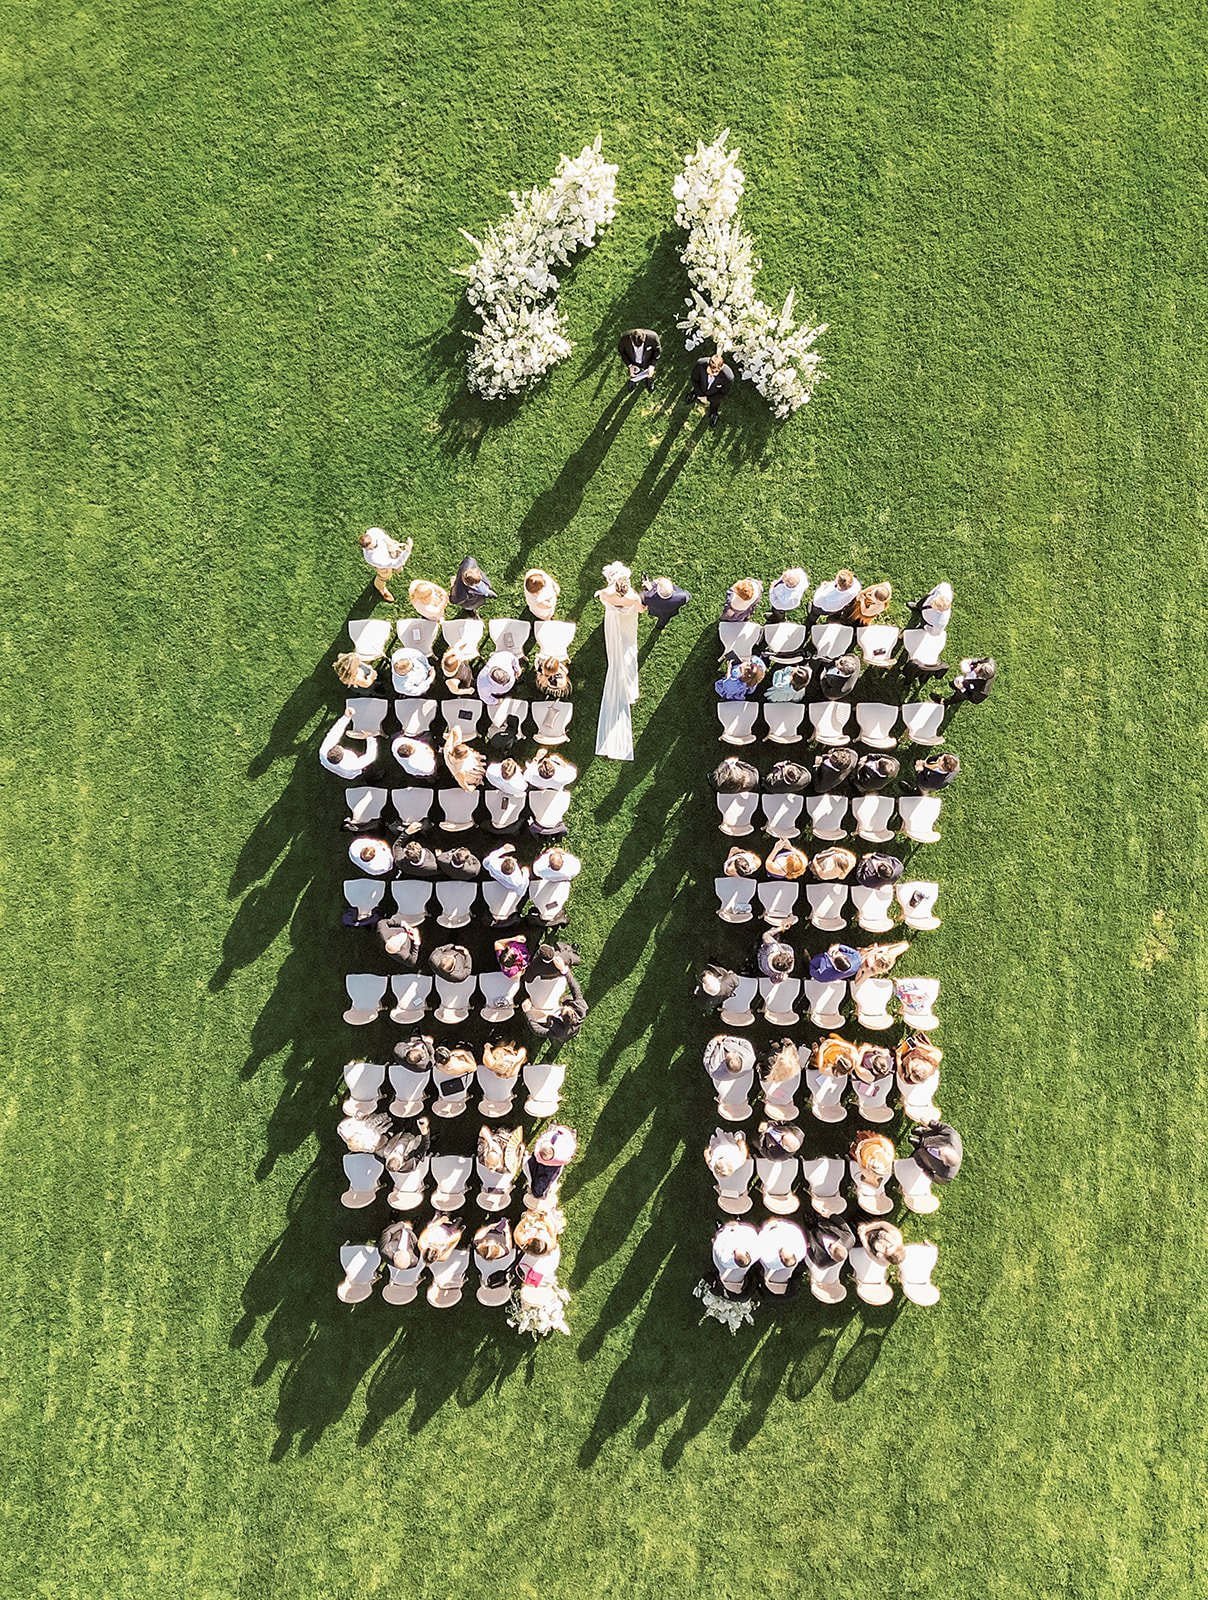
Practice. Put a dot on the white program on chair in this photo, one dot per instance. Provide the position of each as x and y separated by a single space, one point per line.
923 720
873 907
826 1094
411 897
777 1180
919 814
924 648
548 897
417 633
873 997
873 817
831 639
917 1192
451 1176
364 1174
411 806
548 808
784 641
366 991
455 897
364 895
464 634
872 1281
914 1274
360 1264
371 637
458 808
510 633
453 999
734 898
543 1082
782 815
364 805
870 1197
504 811
366 715
740 640
498 996
825 1001
823 1176
827 815
876 720
554 637
779 997
411 995
464 714
737 813
737 719
551 721
778 901
739 1010
878 643
783 721
363 1080
415 717
496 1093
829 718
827 903
917 899
409 1087
407 1188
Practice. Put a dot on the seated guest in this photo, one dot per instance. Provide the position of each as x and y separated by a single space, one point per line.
782 1257
733 776
506 870
741 863
459 864
838 678
775 958
973 681
835 1056
457 673
918 1059
663 600
786 861
400 941
355 672
537 1235
874 1063
504 1058
428 599
414 860
833 769
399 1246
416 756
828 1240
360 918
726 1152
493 1243
742 679
439 1239
452 1070
876 868
726 1055
790 685
832 865
780 1077
879 960
554 959
500 1149
882 1241
541 593
548 770
714 987
840 963
513 956
937 771
837 597
778 1141
934 610
742 599
872 602
413 673
416 1053
466 766
499 676
788 592
871 774
938 1150
552 677
788 777
365 1135
452 962
735 1251
347 760
408 1149
469 589
371 855
507 776
556 866
873 1153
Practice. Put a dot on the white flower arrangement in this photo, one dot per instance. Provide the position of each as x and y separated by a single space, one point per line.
512 284
730 1313
539 1312
723 308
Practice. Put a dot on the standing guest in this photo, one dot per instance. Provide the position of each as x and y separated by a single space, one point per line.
552 677
457 673
370 855
386 556
788 592
663 600
972 682
833 865
541 593
355 672
551 1151
451 962
877 868
428 599
873 773
838 678
836 598
400 941
563 1024
416 756
838 964
872 602
735 1252
788 777
347 760
775 958
503 866
786 861
782 1256
639 350
937 771
556 866
468 588
415 860
712 380
499 676
938 1150
741 863
742 598
742 679
733 776
934 610
459 864
714 987
833 769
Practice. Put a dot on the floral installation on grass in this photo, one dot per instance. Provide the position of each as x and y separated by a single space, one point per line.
730 1313
540 1312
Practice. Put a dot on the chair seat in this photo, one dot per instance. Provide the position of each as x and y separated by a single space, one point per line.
737 718
739 640
737 813
831 639
734 898
370 637
827 815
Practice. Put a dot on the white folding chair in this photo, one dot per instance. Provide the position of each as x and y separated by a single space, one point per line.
548 808
364 895
873 997
448 1280
363 1080
543 1082
509 633
548 897
494 1188
826 1095
545 994
778 900
458 808
367 716
366 991
455 897
829 718
501 1293
451 1175
737 813
782 815
825 1001
371 637
734 898
739 1010
924 648
496 1093
409 1088
417 633
827 815
554 637
873 817
914 1274
453 1000
779 997
878 643
360 1264
737 718
364 805
502 903
917 998
777 1180
739 639
917 899
504 811
508 706
551 721
870 1197
415 717
872 1100
823 1176
919 814
917 1192
733 1189
831 639
783 721
402 1286
876 721
364 1174
463 713
733 1091
872 1281
498 996
407 1188
873 907
464 634
784 641
825 1284
411 806
922 720
827 903
918 1099
411 896
411 995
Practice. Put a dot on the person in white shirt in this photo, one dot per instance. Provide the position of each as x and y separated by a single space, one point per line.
788 592
508 777
837 595
503 866
413 673
550 771
726 1151
934 610
557 866
541 593
781 1253
416 756
428 599
735 1252
370 855
347 760
386 556
499 676
727 1056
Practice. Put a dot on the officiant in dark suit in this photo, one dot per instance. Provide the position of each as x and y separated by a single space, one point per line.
640 350
712 380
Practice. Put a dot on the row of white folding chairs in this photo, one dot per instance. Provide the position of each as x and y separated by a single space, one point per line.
442 1180
376 637
412 994
827 1092
871 1277
550 719
455 899
365 1080
872 998
778 1186
362 1263
826 815
827 903
784 722
462 809
788 641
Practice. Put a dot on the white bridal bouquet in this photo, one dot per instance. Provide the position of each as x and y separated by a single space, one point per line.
730 1313
512 284
723 308
539 1311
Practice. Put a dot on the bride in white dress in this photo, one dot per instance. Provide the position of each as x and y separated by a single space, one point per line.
622 606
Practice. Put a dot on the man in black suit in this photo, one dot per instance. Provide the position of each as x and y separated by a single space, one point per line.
712 380
640 350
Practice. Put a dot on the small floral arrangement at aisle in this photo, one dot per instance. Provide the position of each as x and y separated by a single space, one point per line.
730 1313
512 284
539 1310
723 309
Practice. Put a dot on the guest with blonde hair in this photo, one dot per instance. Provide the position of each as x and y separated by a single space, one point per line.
786 861
438 1240
918 1058
788 592
551 675
354 671
835 1056
742 600
742 679
833 865
874 1154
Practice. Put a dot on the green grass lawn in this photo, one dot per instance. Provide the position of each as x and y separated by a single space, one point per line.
232 342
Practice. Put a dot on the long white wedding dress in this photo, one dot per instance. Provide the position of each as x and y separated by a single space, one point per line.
614 731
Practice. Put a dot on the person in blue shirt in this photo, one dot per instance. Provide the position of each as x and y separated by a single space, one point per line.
790 684
838 964
742 679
